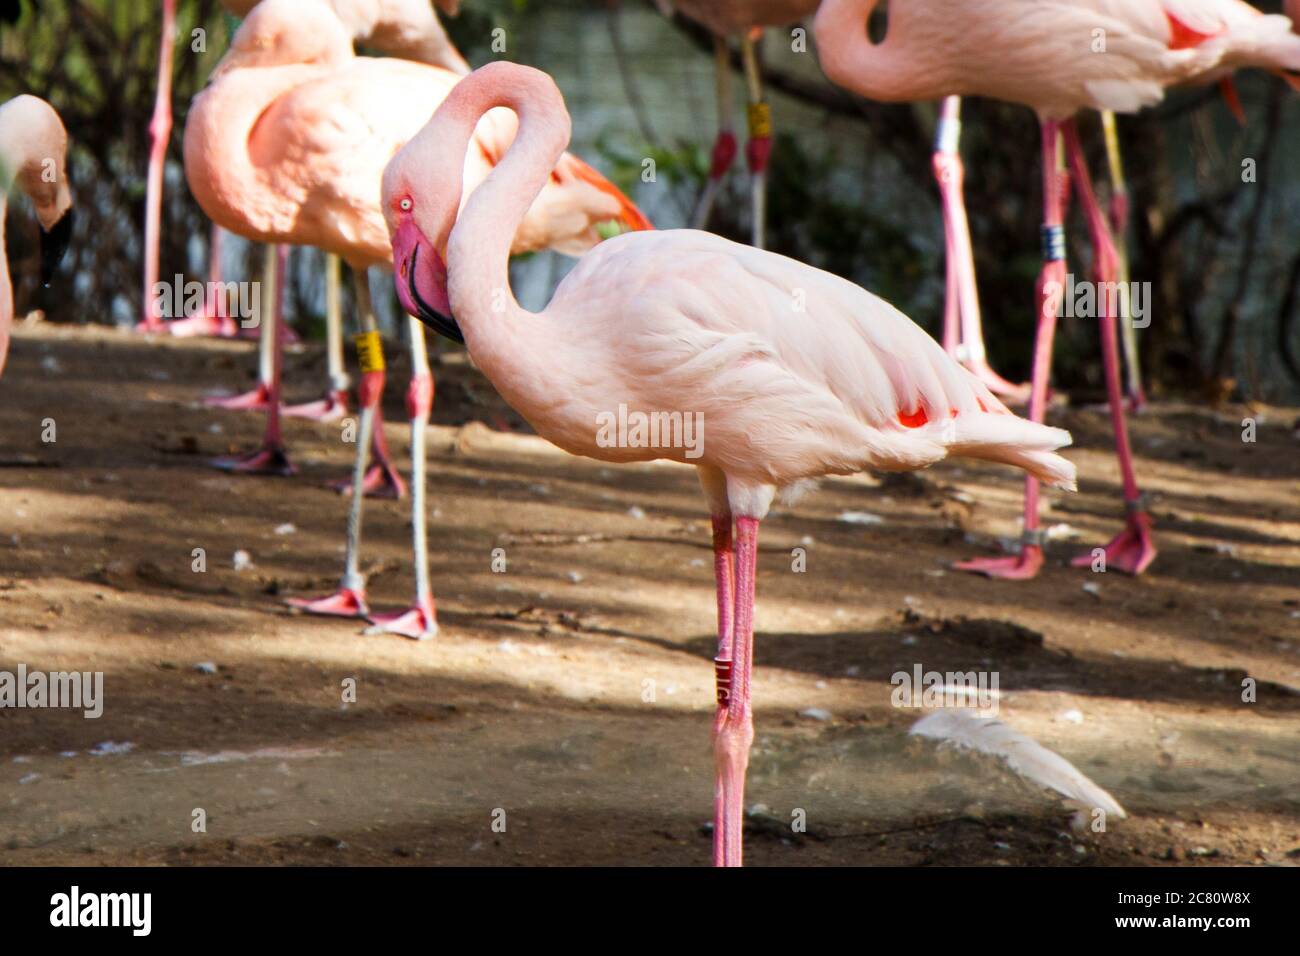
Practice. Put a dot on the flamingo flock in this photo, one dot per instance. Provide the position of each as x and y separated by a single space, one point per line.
412 163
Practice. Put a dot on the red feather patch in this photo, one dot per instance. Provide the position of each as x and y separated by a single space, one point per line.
1185 37
913 419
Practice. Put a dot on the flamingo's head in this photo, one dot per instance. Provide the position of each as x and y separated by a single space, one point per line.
40 171
419 224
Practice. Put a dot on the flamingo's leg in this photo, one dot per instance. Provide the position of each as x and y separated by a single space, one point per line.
724 570
1051 283
215 320
335 403
350 598
758 149
724 146
420 621
1132 550
734 726
271 458
160 130
1119 216
963 306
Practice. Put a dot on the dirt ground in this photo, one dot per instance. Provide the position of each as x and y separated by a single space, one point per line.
570 697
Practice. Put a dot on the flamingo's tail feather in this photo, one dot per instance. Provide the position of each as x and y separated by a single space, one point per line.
1012 441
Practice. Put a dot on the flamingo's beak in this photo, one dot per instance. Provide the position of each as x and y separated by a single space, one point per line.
54 244
421 278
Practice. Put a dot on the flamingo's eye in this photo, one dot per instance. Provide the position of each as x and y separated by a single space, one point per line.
405 205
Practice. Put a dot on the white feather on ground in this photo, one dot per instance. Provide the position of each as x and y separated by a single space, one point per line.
962 728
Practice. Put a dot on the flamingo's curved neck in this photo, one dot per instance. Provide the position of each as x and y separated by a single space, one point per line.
478 249
219 165
849 57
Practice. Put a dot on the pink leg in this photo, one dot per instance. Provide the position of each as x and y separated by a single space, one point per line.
1051 283
419 621
724 572
724 146
734 727
160 128
381 479
271 458
1132 550
962 307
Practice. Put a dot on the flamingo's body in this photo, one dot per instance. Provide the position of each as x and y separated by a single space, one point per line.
33 155
288 143
796 374
1057 58
403 28
742 18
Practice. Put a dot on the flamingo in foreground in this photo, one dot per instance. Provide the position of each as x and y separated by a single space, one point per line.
33 154
287 144
1046 56
682 323
746 19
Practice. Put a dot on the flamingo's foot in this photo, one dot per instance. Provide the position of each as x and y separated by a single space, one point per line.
328 409
1136 403
1012 567
268 460
419 623
345 602
381 481
1130 551
287 335
206 324
999 386
259 398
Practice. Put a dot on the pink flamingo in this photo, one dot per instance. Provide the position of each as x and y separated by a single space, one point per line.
1072 55
33 154
287 144
795 373
743 18
405 28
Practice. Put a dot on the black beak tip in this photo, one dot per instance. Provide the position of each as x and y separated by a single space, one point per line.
54 244
442 324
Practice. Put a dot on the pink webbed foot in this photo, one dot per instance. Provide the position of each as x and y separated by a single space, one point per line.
328 409
207 324
1130 551
268 460
259 398
419 623
345 602
1136 403
381 481
1012 567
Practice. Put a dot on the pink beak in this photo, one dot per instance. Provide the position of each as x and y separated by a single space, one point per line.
421 278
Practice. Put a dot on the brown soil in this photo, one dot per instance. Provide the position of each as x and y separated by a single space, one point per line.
532 702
